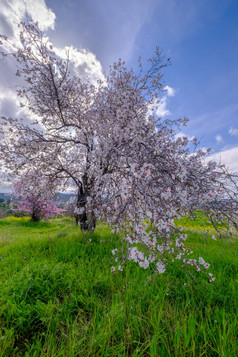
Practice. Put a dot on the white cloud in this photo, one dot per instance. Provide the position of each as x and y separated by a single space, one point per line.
9 103
161 109
233 131
219 139
170 91
13 10
181 135
85 63
10 106
228 157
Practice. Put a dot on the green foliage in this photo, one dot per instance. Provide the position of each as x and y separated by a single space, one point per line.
59 298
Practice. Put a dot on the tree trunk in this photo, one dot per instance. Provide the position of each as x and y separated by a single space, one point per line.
92 222
35 218
77 219
86 221
83 219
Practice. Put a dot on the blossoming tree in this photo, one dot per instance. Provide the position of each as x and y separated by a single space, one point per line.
123 159
33 195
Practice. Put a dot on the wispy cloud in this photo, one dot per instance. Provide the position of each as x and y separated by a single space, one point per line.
233 131
170 91
214 121
219 139
228 157
181 135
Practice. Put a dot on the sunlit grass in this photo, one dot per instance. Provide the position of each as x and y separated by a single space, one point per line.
59 298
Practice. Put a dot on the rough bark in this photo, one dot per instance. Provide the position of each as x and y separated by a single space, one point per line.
86 221
35 218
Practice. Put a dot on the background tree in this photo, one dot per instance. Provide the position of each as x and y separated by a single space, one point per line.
33 195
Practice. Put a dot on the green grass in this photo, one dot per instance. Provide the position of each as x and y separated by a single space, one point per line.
59 298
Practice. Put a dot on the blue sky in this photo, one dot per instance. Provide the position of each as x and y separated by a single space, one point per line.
200 37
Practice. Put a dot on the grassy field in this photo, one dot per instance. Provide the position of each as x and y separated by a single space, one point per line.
59 298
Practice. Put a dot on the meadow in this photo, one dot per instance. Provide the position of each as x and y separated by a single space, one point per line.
58 296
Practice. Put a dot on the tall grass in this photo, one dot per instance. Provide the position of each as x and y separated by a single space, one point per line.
59 298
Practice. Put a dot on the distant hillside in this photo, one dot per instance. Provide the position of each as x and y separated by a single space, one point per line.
5 196
64 197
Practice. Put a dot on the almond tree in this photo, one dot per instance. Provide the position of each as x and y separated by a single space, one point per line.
124 160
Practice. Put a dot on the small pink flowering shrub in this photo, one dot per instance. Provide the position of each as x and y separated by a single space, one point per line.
34 196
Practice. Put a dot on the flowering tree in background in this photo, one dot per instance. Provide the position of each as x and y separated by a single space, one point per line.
123 159
34 196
